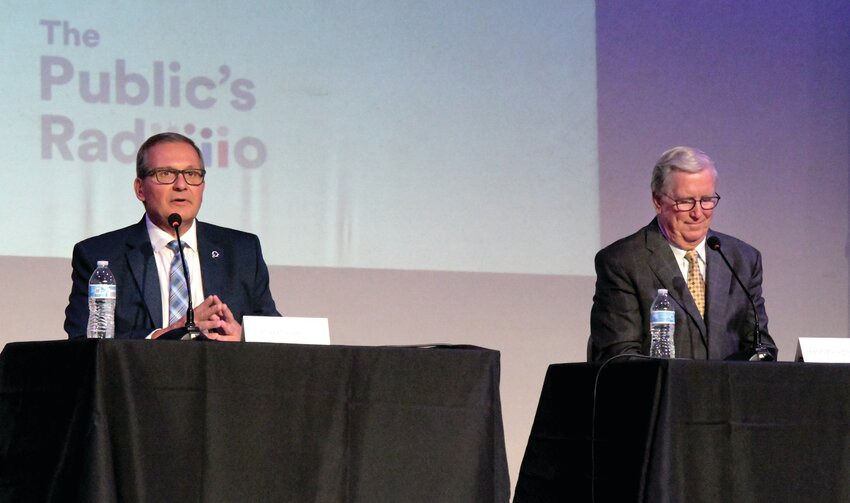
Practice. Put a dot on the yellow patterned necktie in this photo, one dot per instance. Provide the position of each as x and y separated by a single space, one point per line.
695 282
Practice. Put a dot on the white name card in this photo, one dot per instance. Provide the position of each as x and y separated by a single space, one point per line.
286 329
823 350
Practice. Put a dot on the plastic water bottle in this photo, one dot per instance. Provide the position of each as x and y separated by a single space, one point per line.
662 326
102 296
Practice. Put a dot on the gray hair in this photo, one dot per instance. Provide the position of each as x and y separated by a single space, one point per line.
688 159
167 137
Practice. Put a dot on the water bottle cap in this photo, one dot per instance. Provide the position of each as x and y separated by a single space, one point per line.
662 290
102 263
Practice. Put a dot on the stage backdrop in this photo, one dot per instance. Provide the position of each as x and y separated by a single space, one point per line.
437 172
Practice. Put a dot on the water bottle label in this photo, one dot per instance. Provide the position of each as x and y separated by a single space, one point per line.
102 291
662 317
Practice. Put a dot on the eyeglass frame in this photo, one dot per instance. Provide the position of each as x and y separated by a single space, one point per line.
177 172
693 202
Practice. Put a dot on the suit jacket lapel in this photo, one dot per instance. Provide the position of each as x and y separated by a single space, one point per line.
142 264
212 258
663 264
717 284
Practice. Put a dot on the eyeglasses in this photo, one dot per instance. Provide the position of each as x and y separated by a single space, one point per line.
706 203
166 176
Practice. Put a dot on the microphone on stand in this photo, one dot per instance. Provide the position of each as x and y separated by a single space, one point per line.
760 351
189 330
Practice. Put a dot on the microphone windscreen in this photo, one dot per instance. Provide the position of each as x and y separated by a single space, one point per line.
175 220
713 242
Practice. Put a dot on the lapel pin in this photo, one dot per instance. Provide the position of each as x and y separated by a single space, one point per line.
215 254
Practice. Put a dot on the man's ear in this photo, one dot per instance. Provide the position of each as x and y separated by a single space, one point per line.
656 202
137 188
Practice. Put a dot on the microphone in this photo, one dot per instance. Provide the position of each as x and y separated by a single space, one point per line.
760 351
189 330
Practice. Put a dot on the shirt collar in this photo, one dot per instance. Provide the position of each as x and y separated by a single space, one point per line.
160 239
680 253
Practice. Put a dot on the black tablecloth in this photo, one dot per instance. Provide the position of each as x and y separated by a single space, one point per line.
690 431
192 421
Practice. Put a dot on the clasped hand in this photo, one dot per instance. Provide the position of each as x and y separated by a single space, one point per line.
213 318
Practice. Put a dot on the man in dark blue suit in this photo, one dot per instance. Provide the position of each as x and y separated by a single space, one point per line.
223 263
717 321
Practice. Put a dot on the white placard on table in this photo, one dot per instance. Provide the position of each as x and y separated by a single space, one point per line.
823 350
286 329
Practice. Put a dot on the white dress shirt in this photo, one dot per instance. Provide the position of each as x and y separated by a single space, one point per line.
159 241
684 265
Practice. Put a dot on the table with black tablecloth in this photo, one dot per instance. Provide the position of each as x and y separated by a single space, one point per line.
690 431
203 421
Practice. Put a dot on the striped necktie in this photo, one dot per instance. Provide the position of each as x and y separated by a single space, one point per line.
178 296
695 282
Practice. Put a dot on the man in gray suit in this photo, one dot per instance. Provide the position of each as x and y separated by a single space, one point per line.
716 321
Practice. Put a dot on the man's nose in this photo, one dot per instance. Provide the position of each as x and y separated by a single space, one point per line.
180 182
697 211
